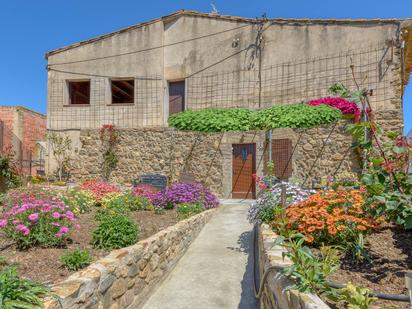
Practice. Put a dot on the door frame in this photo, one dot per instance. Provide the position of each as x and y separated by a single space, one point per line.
253 184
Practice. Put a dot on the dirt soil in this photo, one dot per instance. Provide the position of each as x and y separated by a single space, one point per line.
390 250
43 265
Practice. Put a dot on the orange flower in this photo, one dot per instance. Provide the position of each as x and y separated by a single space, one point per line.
309 239
311 229
361 227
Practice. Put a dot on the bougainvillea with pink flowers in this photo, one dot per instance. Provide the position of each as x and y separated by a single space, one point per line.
37 220
145 190
99 188
345 106
185 193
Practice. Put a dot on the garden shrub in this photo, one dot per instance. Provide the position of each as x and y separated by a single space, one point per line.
264 208
241 119
187 210
38 222
297 116
145 190
309 271
332 218
388 182
79 201
9 173
114 232
76 259
99 188
180 193
214 120
20 293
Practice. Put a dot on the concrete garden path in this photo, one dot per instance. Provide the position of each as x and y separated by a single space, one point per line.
216 271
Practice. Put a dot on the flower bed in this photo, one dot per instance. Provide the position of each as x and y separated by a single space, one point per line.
338 235
47 234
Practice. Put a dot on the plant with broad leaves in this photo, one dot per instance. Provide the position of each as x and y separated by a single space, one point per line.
388 181
20 293
310 272
115 231
356 297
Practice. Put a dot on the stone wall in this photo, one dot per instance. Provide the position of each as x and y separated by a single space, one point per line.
275 294
208 157
126 277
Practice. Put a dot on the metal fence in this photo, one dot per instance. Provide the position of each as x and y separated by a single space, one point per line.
283 83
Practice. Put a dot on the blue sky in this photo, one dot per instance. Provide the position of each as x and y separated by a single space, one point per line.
30 28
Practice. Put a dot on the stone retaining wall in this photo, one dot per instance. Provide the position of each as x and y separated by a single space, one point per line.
208 157
126 277
275 294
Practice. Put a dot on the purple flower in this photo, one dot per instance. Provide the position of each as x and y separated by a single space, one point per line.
179 193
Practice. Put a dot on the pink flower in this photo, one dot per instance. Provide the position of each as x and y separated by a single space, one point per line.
3 223
25 231
77 226
33 217
15 222
55 223
56 215
63 230
69 215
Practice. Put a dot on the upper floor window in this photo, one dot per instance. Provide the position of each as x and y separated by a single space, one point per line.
122 91
79 92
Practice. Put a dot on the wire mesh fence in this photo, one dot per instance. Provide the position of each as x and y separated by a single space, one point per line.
282 83
295 81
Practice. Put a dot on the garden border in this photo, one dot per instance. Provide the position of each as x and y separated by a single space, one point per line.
275 293
127 277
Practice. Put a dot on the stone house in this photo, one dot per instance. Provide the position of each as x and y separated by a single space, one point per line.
22 132
136 77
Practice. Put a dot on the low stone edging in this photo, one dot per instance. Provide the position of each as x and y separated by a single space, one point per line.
126 277
275 294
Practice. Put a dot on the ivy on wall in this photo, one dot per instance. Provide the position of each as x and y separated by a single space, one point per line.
242 119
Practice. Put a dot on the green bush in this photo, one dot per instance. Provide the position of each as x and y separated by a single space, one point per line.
20 293
79 201
214 120
297 116
114 232
76 259
187 210
241 119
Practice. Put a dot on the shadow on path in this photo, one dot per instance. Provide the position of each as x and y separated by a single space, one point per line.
247 300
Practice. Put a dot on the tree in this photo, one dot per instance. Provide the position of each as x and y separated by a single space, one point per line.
60 146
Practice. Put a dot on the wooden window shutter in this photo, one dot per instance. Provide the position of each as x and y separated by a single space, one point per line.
281 156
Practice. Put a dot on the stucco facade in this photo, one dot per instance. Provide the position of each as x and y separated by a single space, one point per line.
225 61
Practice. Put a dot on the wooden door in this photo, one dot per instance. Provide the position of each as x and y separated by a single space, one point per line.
176 97
243 166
